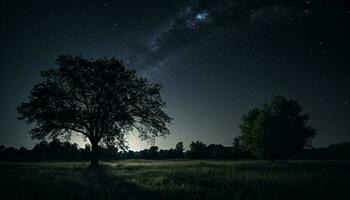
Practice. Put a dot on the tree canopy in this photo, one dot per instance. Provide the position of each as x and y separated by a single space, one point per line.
276 131
100 99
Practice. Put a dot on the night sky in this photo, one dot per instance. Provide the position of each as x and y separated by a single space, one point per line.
216 59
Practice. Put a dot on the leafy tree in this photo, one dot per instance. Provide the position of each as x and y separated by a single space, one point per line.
197 150
236 148
238 151
340 151
276 131
100 99
217 151
153 152
179 148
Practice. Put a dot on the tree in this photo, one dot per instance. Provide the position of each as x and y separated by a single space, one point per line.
179 148
237 151
153 152
217 151
100 99
197 150
276 131
236 148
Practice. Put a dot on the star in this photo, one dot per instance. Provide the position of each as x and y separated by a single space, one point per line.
202 16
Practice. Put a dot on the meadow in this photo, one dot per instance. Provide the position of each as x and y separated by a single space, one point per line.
176 179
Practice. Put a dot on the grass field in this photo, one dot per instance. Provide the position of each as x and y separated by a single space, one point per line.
140 179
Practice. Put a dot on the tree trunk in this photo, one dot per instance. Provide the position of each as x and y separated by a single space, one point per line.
94 154
94 163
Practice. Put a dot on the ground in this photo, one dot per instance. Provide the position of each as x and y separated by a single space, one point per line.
176 179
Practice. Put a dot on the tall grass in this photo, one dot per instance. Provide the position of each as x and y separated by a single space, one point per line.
139 179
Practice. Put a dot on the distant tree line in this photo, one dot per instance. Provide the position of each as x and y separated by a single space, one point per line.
65 151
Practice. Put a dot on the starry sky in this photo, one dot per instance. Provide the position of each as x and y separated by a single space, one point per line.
216 59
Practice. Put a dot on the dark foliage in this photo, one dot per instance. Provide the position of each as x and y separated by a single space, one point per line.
197 150
339 151
179 150
65 151
238 151
279 130
100 99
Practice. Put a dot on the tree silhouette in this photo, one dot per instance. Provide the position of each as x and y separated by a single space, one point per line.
100 99
277 131
197 150
153 152
237 149
179 148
